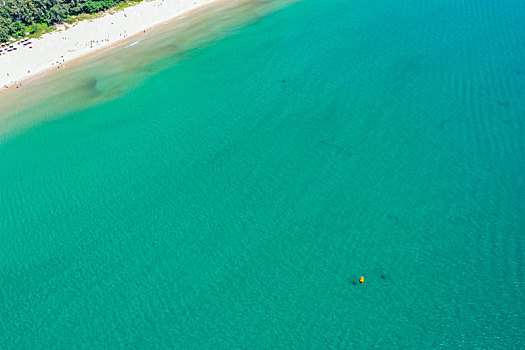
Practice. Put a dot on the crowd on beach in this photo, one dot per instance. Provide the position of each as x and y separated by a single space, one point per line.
6 48
21 59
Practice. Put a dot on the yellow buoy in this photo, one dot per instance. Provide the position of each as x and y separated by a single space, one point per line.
362 279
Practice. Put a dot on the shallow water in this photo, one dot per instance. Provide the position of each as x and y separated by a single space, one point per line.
224 183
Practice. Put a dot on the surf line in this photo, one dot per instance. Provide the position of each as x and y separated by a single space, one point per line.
135 43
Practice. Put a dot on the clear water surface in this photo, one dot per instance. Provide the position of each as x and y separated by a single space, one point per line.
225 182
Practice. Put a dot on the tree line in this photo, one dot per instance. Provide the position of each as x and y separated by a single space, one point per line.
18 17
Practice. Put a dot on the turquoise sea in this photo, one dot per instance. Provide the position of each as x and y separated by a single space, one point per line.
226 181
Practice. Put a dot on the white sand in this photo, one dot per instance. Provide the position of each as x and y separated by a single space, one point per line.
70 42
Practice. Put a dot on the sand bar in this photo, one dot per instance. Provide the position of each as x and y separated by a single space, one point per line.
70 42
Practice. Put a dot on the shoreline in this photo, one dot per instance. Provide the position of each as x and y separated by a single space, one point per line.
149 14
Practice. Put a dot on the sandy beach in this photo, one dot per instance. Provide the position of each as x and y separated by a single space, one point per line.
57 49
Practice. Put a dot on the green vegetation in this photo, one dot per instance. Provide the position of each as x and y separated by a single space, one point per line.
20 18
